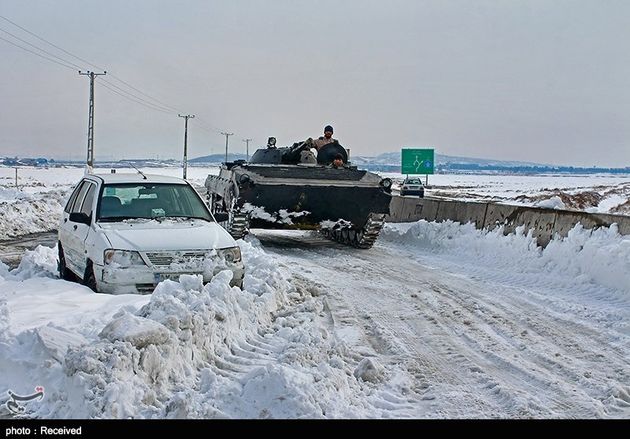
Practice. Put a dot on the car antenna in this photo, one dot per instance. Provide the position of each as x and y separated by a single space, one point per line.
139 171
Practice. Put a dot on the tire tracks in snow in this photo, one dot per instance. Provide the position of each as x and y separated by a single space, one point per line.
475 347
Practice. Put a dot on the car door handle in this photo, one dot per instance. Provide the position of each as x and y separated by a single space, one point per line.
75 227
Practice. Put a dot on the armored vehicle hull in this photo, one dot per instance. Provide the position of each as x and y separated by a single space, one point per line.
346 204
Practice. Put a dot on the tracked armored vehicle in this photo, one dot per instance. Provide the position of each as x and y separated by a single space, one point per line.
290 188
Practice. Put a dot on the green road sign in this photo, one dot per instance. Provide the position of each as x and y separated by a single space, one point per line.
417 161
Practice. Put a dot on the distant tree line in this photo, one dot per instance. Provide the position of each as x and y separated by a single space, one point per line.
26 161
530 169
446 168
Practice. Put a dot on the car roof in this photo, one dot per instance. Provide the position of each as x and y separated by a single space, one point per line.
136 178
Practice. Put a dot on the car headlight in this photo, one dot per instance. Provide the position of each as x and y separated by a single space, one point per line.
231 254
122 258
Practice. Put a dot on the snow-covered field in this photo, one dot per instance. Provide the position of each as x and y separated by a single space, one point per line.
590 193
36 206
437 320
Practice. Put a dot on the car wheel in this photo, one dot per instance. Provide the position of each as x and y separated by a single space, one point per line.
89 280
64 272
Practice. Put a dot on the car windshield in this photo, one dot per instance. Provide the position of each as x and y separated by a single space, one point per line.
413 181
150 200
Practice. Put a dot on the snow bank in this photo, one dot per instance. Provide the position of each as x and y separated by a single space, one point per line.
41 262
610 204
554 202
22 213
4 318
191 350
4 271
600 257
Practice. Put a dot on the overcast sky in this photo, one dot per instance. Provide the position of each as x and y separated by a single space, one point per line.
545 81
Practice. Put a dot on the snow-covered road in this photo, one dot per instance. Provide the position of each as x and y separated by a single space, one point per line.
479 341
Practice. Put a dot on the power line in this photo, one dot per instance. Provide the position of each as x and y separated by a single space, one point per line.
145 94
48 42
40 49
113 90
137 97
207 130
81 59
39 54
157 105
210 127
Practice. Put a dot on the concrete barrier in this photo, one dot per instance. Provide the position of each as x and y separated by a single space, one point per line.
396 211
412 208
500 215
540 221
623 222
475 213
406 209
429 209
544 223
566 220
464 212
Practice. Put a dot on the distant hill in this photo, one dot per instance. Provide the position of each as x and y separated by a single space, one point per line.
385 162
387 158
390 162
393 159
217 158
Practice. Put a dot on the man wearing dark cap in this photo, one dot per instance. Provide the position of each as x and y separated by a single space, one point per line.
325 139
337 162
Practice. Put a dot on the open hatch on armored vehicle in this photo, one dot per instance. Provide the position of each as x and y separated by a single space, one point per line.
290 188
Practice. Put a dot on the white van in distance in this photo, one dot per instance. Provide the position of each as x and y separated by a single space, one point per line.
124 233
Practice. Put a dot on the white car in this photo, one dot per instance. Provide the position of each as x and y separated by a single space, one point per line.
412 186
124 233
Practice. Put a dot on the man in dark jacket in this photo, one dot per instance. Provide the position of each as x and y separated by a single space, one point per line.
325 139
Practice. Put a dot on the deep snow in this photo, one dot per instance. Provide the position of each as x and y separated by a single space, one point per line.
437 320
488 325
188 350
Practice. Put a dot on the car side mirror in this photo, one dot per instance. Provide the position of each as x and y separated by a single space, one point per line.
221 217
80 217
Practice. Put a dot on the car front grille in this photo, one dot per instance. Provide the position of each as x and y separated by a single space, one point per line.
145 288
163 259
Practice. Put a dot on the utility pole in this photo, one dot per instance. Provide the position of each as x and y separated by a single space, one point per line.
227 135
90 144
247 147
185 163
